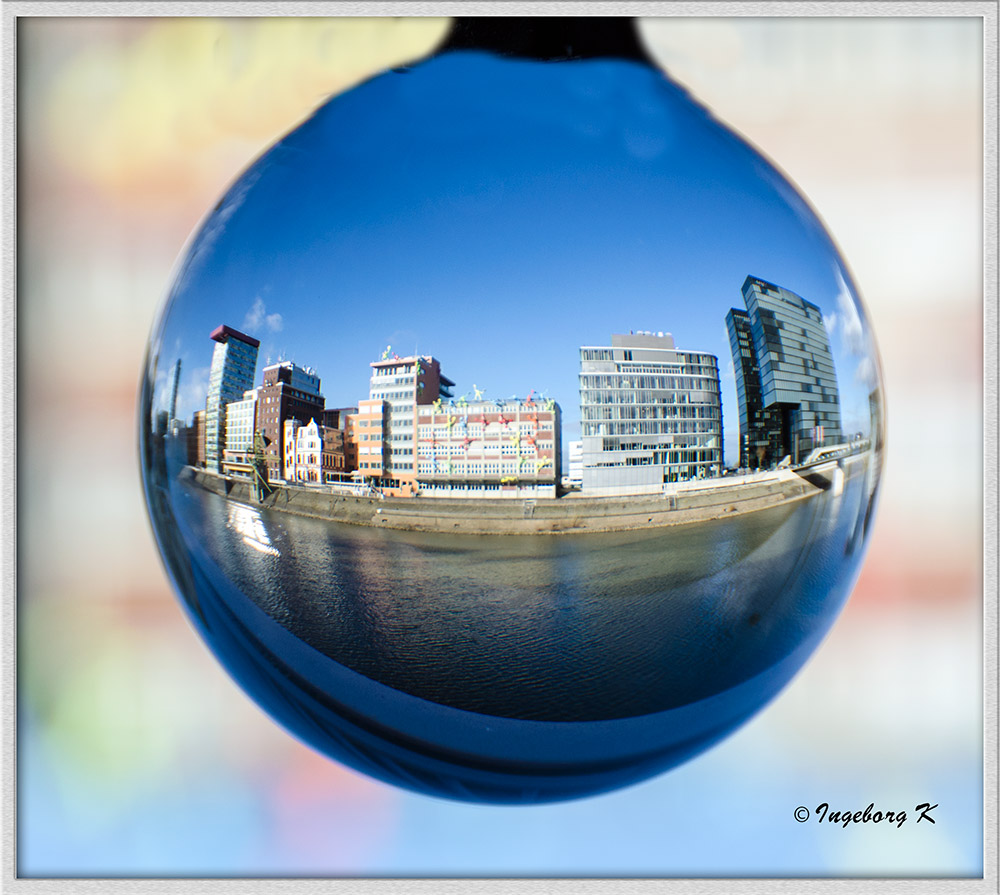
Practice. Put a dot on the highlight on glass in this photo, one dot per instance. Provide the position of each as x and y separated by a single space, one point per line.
512 430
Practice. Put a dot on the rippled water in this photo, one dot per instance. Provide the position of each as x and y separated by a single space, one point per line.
554 628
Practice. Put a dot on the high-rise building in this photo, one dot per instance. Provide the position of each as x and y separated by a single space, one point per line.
288 392
796 374
650 413
174 386
403 384
234 362
760 428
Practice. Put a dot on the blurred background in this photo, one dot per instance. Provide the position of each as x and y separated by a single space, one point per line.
137 756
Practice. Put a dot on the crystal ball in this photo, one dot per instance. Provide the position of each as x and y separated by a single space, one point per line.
512 430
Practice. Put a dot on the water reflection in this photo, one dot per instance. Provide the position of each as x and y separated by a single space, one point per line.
246 521
568 628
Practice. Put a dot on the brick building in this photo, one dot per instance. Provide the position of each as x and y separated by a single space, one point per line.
288 392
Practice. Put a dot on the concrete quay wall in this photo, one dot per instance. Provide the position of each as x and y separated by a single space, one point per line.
571 514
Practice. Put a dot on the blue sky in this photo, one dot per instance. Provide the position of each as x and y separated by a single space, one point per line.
498 215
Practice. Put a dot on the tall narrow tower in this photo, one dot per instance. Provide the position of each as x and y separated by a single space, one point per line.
234 363
173 392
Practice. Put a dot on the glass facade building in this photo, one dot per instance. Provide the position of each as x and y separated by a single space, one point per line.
795 375
649 414
234 362
760 428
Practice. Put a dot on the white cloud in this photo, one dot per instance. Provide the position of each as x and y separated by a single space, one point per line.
257 319
192 393
846 324
865 372
850 323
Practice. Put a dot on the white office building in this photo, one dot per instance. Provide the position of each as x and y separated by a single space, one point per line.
240 416
650 414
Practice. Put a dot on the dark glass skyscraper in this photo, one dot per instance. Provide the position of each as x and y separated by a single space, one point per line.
786 380
760 429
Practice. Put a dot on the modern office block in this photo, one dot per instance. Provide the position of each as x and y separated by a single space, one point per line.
403 384
650 414
240 426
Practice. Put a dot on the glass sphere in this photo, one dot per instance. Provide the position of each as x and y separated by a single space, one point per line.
512 430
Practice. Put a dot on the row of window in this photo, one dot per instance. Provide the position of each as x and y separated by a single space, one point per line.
478 430
681 439
652 412
619 383
623 398
397 370
618 444
669 459
598 354
687 367
457 449
530 467
482 487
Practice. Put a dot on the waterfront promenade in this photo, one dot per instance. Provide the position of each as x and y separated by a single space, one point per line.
684 503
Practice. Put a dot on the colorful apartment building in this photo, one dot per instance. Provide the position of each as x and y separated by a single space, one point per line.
489 448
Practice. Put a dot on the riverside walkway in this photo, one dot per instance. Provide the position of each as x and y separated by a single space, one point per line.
680 504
